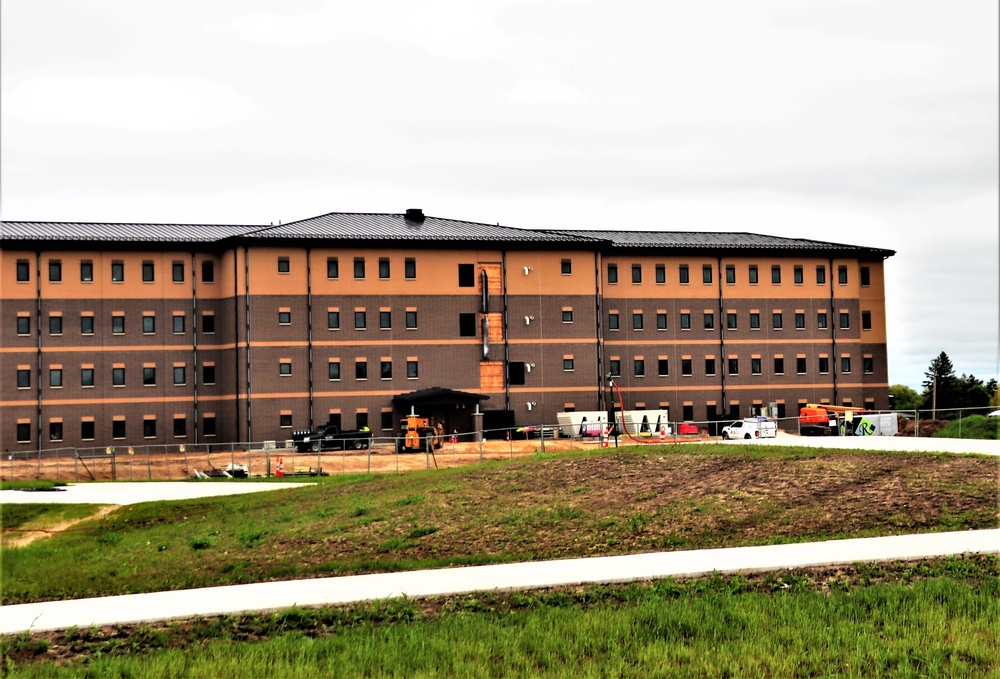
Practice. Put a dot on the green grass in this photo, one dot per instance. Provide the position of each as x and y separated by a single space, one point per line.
30 484
933 618
569 505
971 427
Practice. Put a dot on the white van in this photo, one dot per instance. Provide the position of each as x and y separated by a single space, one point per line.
750 428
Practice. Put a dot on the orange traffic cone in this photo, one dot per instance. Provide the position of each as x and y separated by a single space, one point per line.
280 470
663 434
604 437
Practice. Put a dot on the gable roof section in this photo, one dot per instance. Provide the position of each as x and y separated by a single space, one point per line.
124 233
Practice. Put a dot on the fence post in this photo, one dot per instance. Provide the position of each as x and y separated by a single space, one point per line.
916 423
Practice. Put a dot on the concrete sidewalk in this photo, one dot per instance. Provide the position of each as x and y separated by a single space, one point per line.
210 601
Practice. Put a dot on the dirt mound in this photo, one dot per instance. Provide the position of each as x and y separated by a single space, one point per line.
927 427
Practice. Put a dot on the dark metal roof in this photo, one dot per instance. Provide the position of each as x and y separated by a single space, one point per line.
135 233
368 226
438 396
720 240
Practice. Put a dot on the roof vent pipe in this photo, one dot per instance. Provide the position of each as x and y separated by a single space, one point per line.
414 214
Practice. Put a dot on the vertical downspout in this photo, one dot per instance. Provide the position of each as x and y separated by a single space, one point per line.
834 321
194 341
309 330
723 359
246 327
599 329
236 335
38 347
506 343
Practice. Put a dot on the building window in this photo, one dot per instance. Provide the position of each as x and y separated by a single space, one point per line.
285 420
118 325
515 372
734 366
86 377
639 367
148 324
800 320
208 425
360 320
755 366
23 378
798 276
845 320
178 324
385 370
333 370
23 432
55 271
359 267
568 364
842 274
148 377
180 374
118 377
685 321
333 320
800 365
866 320
361 418
86 271
821 320
613 321
466 325
284 265
684 274
730 274
23 271
411 321
410 269
753 275
709 320
24 325
388 420
662 367
208 323
612 273
731 320
755 320
466 276
637 273
332 267
361 370
149 429
55 325
148 272
383 268
845 364
661 274
868 364
412 371
615 367
567 316
118 429
284 318
824 365
285 368
117 272
177 272
385 320
779 366
776 274
208 272
86 325
661 320
87 430
709 366
180 427
637 320
208 374
866 277
777 322
706 273
566 267
686 367
820 275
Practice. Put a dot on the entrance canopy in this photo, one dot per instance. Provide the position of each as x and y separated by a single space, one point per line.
436 398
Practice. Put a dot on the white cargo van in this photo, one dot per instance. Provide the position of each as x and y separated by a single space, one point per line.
750 428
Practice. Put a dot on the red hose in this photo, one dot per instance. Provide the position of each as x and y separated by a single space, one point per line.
624 426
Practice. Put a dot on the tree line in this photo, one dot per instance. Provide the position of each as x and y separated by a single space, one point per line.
944 390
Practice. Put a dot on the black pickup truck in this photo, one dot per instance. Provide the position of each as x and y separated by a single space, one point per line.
330 437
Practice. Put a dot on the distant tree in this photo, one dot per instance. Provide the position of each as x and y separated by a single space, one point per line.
994 392
904 397
942 383
972 392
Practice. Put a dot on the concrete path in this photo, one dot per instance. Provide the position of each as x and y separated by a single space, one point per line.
137 608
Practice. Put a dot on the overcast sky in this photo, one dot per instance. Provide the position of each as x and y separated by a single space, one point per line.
869 123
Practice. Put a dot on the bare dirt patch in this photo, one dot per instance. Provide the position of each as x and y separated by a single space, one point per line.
27 534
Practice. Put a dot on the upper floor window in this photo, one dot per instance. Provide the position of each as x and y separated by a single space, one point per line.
845 320
661 320
709 320
754 320
798 275
842 275
207 271
284 318
118 324
866 320
753 275
383 268
23 271
866 277
208 323
117 272
706 273
566 267
776 274
148 272
411 321
637 320
332 267
148 324
730 274
731 321
385 320
567 316
360 320
637 273
284 265
685 321
466 325
661 274
613 321
86 271
333 320
820 275
55 270
684 274
821 320
612 273
466 276
410 268
55 325
800 320
24 325
776 320
359 267
86 324
177 272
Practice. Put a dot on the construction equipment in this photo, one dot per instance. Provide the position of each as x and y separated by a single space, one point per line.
823 420
417 434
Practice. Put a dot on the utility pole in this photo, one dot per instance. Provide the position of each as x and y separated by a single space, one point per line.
934 397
